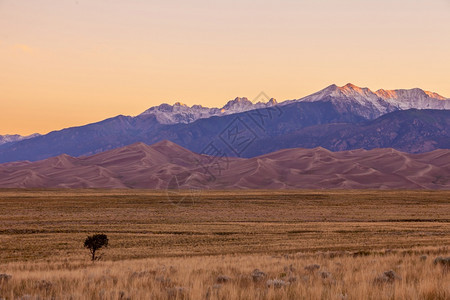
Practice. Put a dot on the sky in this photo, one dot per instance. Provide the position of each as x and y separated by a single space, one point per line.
71 62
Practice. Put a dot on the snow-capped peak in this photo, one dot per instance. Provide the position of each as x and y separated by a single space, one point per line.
435 95
351 90
414 98
12 138
238 104
369 104
361 101
408 94
272 102
182 113
348 90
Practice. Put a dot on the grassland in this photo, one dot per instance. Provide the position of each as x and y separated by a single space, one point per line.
176 244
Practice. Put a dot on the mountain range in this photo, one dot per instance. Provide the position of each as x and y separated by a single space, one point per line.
335 118
370 105
361 101
166 165
181 113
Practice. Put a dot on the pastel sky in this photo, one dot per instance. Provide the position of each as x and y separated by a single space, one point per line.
70 62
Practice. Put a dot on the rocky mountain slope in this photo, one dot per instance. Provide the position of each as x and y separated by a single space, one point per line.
412 131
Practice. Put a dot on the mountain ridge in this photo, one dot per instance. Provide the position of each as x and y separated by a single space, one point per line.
307 125
349 107
13 138
181 113
370 105
380 102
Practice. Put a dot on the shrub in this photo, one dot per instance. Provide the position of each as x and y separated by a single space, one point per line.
387 277
94 243
312 268
258 275
276 283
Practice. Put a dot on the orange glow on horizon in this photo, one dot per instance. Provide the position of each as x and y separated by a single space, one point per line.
69 63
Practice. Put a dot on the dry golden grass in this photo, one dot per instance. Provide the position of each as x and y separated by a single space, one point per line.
340 276
224 232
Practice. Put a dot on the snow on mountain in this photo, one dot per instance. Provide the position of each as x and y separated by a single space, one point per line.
12 138
414 98
181 113
371 104
348 98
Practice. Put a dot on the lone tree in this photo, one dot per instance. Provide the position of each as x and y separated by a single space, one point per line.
94 243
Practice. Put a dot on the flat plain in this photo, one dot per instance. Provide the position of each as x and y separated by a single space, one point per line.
195 236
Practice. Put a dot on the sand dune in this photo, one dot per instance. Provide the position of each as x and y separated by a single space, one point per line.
166 165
